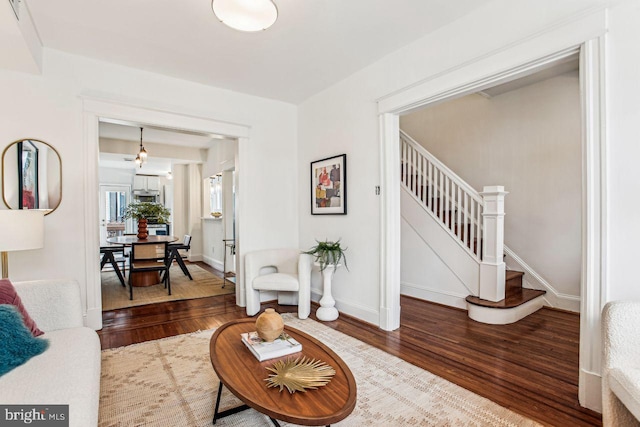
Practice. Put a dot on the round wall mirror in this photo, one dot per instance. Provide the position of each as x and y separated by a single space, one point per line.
31 176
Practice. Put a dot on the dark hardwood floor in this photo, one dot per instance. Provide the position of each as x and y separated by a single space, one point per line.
530 367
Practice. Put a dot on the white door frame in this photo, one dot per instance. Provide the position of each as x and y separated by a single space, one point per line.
585 35
96 110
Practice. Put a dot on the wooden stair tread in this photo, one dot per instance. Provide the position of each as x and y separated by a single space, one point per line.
512 274
511 301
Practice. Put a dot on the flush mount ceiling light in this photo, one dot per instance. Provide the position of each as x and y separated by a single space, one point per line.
246 15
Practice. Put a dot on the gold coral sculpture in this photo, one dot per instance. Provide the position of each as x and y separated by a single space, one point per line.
299 374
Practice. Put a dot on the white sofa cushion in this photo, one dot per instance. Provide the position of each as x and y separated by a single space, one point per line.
625 383
68 372
276 282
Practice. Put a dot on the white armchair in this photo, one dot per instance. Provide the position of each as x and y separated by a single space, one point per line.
621 364
287 271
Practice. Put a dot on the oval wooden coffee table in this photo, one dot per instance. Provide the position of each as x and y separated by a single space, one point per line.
244 376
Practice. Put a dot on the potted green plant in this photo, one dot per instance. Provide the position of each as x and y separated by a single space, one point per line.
144 211
328 253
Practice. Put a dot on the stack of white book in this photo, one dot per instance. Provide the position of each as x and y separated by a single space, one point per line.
264 350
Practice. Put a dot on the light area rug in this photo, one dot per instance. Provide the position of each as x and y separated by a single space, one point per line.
204 284
170 382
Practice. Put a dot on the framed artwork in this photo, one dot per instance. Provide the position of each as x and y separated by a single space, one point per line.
329 186
27 175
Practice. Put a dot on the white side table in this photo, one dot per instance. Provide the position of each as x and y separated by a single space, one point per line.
327 311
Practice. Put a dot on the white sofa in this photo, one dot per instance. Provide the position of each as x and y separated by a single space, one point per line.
68 372
621 364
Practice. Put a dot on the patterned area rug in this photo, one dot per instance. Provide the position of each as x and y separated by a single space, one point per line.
171 383
204 284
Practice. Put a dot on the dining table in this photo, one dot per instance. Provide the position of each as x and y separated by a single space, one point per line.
142 278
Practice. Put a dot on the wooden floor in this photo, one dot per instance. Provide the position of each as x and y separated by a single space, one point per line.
530 367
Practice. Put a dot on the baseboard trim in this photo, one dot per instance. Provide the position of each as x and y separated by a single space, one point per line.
195 257
212 262
504 316
365 314
93 318
590 390
533 280
433 295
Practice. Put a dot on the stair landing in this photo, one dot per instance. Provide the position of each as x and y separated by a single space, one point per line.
515 294
510 301
518 303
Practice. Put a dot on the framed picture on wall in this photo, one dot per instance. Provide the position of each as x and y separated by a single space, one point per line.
329 186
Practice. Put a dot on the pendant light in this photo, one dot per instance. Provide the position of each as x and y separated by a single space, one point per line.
246 15
142 154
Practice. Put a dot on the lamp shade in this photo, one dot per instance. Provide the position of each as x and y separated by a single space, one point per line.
21 230
246 15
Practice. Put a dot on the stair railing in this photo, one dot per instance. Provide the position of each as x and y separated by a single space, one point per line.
450 200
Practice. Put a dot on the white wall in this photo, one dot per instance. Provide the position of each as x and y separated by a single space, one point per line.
49 107
220 157
194 210
212 235
343 119
495 38
430 279
623 152
116 176
529 141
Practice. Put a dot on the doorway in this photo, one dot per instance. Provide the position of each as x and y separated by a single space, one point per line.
100 110
113 201
594 253
524 135
170 177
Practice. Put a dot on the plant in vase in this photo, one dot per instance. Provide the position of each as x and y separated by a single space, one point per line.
328 255
144 211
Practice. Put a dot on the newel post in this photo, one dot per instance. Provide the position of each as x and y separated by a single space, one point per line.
492 267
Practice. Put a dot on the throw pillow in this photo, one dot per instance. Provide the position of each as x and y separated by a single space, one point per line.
8 295
18 345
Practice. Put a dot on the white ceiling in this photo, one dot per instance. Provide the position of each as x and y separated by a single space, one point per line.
313 44
154 165
128 131
553 69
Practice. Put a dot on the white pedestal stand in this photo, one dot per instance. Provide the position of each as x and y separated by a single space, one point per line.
327 312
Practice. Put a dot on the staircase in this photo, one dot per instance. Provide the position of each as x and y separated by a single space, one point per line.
515 294
475 222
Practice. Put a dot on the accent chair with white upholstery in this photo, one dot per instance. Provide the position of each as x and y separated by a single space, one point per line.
287 271
621 364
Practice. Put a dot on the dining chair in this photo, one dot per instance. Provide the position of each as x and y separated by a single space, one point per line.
148 257
175 255
113 254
